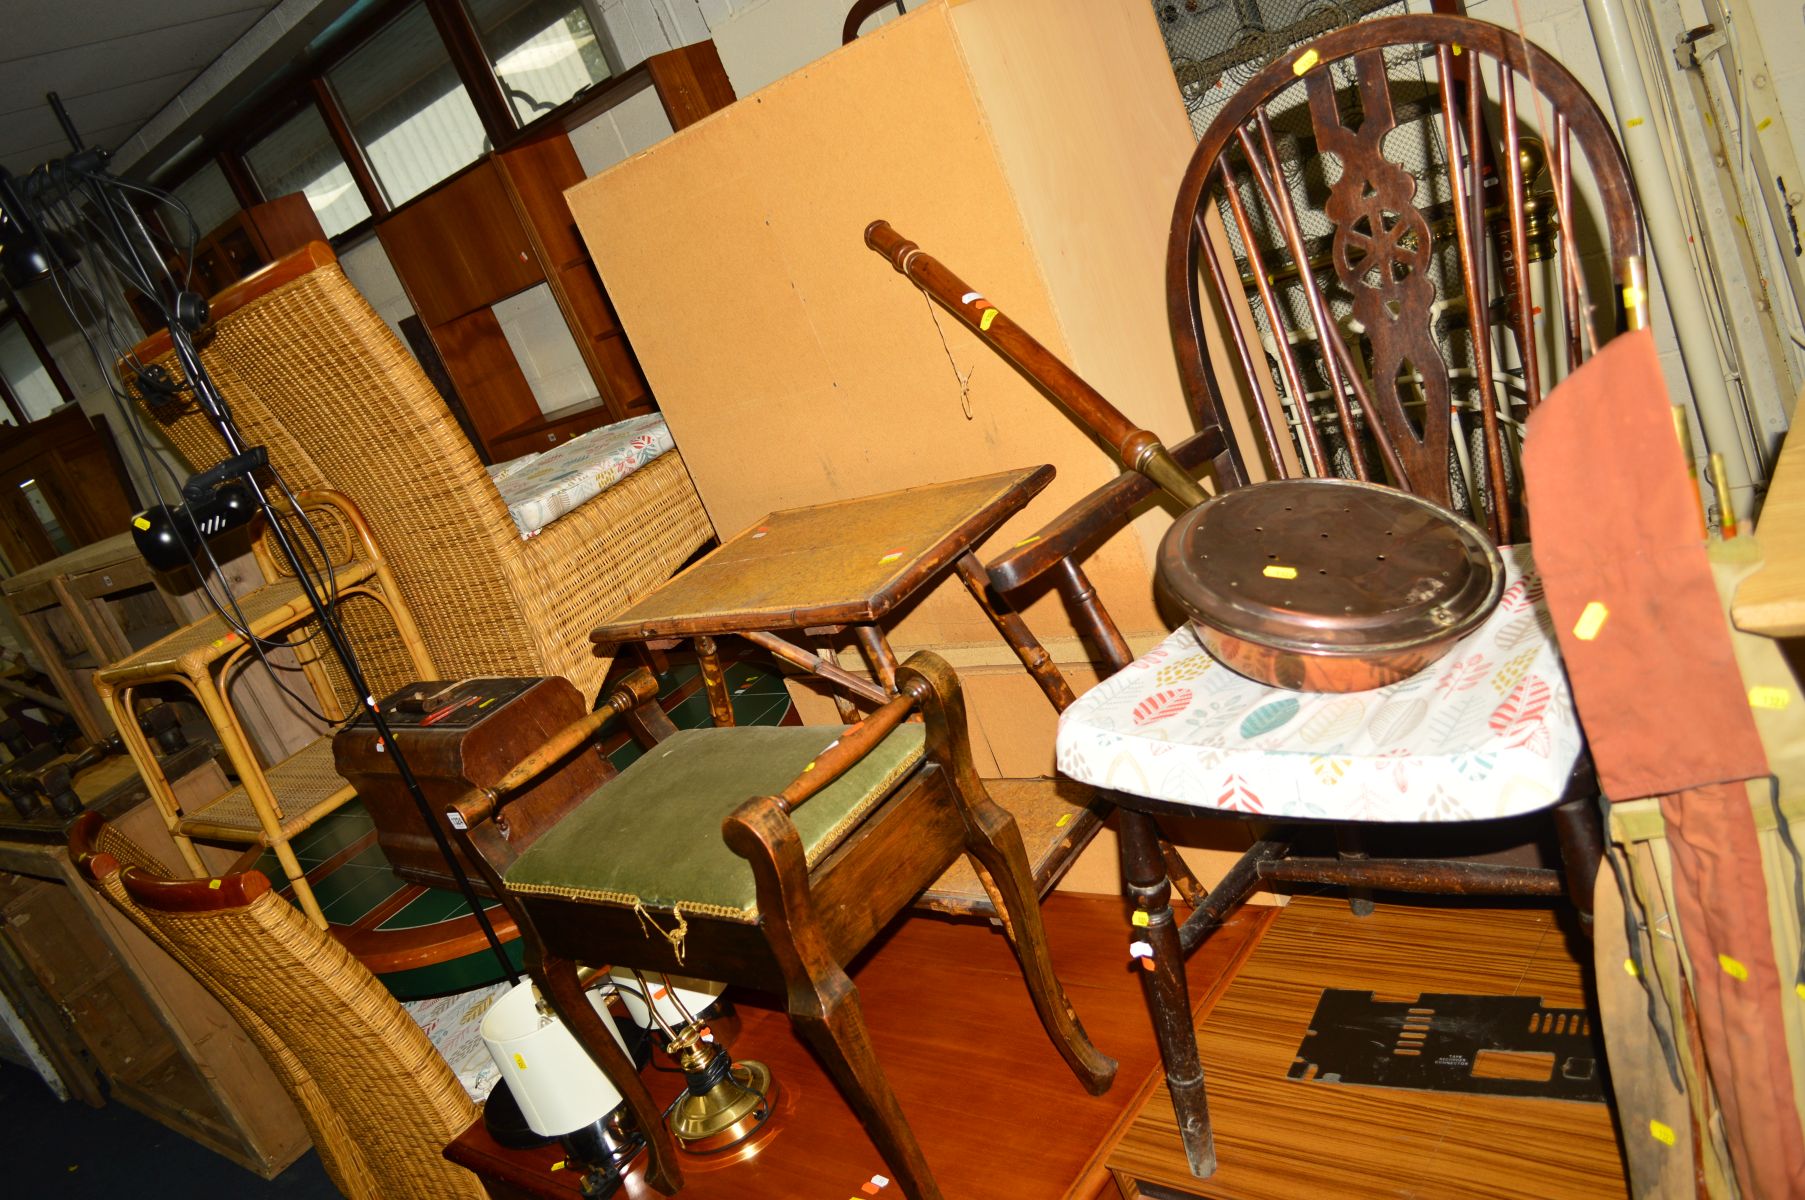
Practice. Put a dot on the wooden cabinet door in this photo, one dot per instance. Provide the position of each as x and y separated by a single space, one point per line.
461 247
99 1003
77 471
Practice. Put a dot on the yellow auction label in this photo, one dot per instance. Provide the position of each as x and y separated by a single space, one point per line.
1277 572
1591 620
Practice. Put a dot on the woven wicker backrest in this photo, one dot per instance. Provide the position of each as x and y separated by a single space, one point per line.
326 1127
381 1101
334 375
314 374
192 435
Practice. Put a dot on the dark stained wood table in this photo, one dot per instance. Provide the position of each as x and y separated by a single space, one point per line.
825 568
997 1112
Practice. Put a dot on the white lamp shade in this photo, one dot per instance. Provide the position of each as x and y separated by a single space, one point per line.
558 1086
694 994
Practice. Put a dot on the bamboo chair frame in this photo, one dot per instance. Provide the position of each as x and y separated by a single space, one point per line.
202 659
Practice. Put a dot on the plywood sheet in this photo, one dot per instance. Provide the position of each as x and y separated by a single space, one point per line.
796 367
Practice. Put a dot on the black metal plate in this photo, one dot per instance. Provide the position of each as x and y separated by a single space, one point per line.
1434 1042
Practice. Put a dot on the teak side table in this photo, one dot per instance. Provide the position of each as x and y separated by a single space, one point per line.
822 569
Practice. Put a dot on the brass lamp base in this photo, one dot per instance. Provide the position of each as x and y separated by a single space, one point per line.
726 1102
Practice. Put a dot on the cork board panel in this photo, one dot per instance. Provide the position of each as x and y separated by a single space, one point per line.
795 367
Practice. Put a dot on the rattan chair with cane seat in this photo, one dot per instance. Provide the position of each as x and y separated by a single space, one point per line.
377 1100
314 374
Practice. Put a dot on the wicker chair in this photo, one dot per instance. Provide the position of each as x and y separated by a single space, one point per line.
315 375
378 1101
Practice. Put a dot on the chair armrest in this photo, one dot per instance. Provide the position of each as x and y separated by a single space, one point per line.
356 542
762 831
481 804
1079 529
845 752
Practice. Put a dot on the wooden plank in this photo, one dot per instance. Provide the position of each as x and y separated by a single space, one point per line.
1281 1137
482 364
1772 600
691 82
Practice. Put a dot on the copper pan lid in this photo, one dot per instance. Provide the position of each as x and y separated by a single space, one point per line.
1330 566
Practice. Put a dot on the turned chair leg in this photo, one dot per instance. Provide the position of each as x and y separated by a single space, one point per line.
826 1011
1579 828
995 841
1167 992
563 990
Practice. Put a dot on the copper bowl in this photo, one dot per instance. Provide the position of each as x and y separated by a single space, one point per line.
1328 585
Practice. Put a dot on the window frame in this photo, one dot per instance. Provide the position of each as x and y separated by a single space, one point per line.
12 313
469 59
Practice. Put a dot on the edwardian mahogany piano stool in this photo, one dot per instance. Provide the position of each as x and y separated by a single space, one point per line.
822 569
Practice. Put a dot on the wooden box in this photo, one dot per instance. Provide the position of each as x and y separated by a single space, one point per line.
457 736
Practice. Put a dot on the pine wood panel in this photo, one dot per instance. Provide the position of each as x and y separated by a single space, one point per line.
997 1112
1772 601
1281 1137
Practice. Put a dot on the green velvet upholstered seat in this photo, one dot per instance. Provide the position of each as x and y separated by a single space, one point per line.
651 837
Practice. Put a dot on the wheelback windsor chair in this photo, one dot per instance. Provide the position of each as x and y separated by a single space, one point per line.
1333 254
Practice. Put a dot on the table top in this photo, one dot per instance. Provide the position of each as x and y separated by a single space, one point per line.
1772 601
30 588
848 562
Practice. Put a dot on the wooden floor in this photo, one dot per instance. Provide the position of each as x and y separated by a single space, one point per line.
1278 1137
998 1114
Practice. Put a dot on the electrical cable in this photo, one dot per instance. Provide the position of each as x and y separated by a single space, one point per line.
82 202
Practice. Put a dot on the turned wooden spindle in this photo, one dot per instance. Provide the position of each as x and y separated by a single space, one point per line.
1138 449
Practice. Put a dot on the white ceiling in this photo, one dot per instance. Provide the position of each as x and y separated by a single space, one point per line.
115 63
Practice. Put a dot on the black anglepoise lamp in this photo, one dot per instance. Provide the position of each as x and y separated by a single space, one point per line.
28 252
75 199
